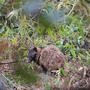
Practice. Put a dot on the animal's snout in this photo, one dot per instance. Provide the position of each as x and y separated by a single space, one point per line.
36 54
28 59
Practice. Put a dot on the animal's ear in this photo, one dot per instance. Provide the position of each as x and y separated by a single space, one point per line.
35 49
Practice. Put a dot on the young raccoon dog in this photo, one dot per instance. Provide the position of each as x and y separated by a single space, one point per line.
49 58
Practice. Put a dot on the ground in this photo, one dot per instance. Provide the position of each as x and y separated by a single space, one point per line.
77 78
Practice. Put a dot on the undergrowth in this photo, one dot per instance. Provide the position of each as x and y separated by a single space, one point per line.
70 34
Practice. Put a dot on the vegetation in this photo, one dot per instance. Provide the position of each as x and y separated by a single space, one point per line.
65 24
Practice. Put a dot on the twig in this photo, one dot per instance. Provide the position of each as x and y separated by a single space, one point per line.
14 86
10 62
71 81
72 7
7 63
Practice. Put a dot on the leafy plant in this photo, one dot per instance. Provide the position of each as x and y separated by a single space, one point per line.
47 87
61 72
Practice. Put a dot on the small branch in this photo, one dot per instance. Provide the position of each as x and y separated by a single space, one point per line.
14 86
7 63
73 7
71 10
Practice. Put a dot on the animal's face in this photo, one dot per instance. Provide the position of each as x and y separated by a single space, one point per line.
32 53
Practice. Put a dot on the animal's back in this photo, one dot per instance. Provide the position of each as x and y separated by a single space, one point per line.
52 58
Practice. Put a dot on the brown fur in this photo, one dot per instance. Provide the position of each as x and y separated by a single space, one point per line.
50 57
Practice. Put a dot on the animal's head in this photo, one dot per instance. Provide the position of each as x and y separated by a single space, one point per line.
32 53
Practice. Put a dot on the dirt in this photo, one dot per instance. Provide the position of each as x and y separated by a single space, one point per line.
77 78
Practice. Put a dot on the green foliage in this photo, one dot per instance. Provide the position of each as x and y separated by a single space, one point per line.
87 63
2 1
26 76
67 32
73 69
72 37
47 86
61 72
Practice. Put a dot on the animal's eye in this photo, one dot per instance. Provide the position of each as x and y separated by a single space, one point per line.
35 54
35 49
